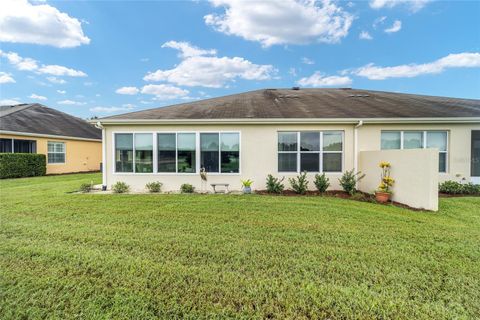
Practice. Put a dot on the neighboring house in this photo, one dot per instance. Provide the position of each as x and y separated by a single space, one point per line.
286 131
70 144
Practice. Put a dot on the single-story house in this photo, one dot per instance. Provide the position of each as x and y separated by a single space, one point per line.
284 132
69 143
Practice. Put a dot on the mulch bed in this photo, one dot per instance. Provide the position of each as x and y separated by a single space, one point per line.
359 196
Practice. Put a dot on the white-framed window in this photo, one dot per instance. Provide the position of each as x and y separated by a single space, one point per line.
177 152
134 152
311 151
418 139
56 152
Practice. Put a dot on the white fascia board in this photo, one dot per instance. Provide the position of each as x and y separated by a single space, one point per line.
288 121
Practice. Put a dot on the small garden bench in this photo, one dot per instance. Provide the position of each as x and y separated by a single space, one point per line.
214 185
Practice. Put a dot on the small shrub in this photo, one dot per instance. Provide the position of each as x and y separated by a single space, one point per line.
300 183
349 180
18 165
154 187
120 187
274 185
86 187
321 182
454 187
187 188
386 181
471 188
247 183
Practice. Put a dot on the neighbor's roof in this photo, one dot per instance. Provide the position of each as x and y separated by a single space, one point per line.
313 103
38 119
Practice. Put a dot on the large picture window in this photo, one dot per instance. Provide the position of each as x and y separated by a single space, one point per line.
167 152
124 152
186 152
311 151
143 152
56 152
418 140
177 152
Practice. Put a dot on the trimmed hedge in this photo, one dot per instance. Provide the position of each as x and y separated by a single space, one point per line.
18 165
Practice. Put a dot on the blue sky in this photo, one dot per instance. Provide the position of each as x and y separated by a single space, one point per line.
107 57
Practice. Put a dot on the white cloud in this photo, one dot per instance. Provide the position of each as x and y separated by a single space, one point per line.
378 21
364 35
164 92
71 103
111 109
56 80
397 25
292 71
57 70
6 102
281 22
127 90
320 80
459 60
187 50
6 78
28 64
23 22
37 97
414 5
61 91
211 71
306 60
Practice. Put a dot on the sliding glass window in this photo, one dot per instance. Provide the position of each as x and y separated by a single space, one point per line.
186 154
311 151
124 152
220 152
143 152
418 140
167 152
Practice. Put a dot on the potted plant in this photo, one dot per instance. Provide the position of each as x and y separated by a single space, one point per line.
384 192
246 184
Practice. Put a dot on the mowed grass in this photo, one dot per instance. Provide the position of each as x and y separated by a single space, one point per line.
92 256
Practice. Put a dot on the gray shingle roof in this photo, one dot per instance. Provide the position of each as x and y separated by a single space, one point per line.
314 103
37 118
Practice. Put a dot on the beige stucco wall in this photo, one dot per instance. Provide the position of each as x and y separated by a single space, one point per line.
80 155
258 152
459 144
258 156
415 172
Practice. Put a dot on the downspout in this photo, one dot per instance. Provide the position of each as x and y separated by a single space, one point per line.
355 145
99 125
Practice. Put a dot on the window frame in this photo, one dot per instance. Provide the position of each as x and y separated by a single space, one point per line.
12 145
424 143
64 153
176 173
321 152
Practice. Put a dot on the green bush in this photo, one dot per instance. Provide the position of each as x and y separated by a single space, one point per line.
349 180
187 188
154 187
18 165
274 185
454 187
120 187
86 187
300 183
321 182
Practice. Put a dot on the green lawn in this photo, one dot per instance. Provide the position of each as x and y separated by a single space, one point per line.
196 256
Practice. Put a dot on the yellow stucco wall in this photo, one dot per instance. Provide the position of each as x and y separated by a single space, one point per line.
80 156
258 152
